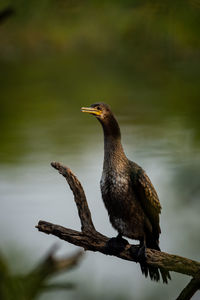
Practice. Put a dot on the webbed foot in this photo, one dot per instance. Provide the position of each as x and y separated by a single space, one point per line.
116 245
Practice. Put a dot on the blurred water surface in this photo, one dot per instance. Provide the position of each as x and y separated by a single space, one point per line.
149 73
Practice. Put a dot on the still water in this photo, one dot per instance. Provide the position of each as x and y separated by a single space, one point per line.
142 58
36 133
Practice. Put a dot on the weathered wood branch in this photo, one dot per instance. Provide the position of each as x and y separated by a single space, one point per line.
79 197
92 240
189 291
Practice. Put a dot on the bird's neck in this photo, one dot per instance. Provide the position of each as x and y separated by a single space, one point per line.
113 150
114 155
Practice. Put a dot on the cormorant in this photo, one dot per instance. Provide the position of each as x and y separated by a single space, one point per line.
128 194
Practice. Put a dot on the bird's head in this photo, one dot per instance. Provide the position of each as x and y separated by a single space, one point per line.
104 114
99 110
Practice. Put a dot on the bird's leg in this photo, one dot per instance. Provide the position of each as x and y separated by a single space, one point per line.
115 245
140 254
142 251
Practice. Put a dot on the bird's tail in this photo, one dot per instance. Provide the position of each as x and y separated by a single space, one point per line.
154 272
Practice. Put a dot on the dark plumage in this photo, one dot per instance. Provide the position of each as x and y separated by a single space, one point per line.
128 194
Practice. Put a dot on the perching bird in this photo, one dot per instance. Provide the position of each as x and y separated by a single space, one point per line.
128 194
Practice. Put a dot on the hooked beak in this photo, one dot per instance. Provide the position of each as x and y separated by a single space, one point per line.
91 110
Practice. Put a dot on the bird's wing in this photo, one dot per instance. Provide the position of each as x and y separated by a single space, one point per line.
147 196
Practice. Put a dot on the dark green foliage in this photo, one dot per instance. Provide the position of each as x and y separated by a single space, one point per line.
29 286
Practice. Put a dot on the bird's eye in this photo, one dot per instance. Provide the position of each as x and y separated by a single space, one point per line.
98 107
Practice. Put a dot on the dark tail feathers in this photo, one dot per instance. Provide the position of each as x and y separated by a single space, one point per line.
153 272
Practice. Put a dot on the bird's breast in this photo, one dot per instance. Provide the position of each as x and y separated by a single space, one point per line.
121 201
114 184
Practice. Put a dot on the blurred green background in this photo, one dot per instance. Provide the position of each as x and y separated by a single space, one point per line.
142 58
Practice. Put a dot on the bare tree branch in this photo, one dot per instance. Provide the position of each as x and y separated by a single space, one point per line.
79 197
51 266
189 291
92 240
